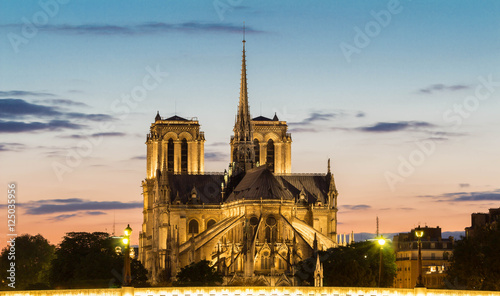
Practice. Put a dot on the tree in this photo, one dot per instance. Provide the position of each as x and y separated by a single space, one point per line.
32 257
90 260
198 274
356 265
475 262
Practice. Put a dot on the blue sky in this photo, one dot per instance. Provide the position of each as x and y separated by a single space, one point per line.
369 112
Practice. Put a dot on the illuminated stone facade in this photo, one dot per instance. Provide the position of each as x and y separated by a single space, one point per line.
252 222
436 258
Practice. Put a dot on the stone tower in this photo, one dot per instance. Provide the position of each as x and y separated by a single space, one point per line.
175 144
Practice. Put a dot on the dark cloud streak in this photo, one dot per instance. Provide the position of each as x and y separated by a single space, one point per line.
442 87
386 127
73 205
143 29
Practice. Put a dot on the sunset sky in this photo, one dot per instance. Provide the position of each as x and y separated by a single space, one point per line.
403 96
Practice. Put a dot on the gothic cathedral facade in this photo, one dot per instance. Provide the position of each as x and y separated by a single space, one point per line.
252 222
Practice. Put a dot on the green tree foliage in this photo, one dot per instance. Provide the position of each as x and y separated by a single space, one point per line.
33 255
476 261
89 260
198 274
356 265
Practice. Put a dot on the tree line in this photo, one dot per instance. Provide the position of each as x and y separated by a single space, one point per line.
93 260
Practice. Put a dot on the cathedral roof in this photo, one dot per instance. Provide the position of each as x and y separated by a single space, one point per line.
260 183
262 118
177 118
315 187
206 186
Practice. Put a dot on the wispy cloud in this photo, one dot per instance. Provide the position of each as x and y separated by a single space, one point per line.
53 125
217 144
463 185
400 208
24 93
13 108
18 108
493 195
54 119
387 127
442 88
140 157
95 135
12 147
305 130
67 216
143 28
53 206
315 116
356 207
216 156
66 102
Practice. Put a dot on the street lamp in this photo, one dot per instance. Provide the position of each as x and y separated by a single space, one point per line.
381 242
127 277
419 233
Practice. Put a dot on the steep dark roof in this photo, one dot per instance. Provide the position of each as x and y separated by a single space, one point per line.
315 186
262 118
208 187
176 118
259 183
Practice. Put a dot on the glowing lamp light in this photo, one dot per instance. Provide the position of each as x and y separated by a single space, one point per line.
381 241
125 241
128 230
419 233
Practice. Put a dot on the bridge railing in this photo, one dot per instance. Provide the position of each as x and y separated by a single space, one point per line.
251 291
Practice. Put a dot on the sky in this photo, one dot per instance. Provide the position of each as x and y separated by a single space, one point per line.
402 96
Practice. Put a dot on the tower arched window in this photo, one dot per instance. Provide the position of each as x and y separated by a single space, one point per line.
170 155
184 156
270 155
256 146
193 227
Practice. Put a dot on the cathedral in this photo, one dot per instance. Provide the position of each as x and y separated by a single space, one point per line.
252 222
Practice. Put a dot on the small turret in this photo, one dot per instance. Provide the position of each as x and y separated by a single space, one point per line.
158 117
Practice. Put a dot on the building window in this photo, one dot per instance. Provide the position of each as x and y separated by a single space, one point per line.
270 229
210 223
433 256
270 155
256 147
265 261
184 156
170 155
193 227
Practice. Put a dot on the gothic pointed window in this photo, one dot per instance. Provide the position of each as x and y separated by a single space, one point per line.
193 227
257 150
170 155
270 155
184 156
265 260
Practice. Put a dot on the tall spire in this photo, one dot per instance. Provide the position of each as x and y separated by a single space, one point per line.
242 127
242 143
